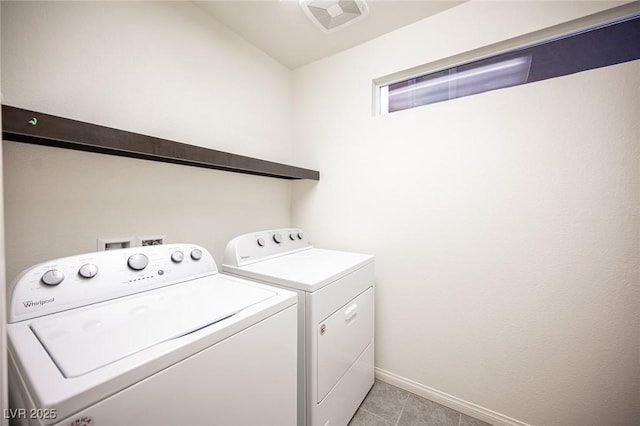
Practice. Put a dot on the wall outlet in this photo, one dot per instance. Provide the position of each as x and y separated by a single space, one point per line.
150 240
114 243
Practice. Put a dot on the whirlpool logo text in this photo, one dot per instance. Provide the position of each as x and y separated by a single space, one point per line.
37 303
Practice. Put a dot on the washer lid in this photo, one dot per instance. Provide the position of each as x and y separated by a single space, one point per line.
307 270
83 340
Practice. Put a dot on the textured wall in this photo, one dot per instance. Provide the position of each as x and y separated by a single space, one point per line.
4 398
163 69
504 224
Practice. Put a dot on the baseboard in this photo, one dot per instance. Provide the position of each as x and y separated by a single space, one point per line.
457 404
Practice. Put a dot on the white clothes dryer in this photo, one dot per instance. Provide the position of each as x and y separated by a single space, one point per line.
149 336
335 314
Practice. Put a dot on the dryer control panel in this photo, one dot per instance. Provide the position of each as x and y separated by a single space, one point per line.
256 246
80 280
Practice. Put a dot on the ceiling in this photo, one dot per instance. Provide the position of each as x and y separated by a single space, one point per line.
282 30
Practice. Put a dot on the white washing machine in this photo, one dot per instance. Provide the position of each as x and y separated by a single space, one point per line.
149 336
335 314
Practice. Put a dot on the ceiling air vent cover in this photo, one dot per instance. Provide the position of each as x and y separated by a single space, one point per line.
331 15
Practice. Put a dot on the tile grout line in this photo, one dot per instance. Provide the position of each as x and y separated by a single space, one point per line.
374 414
402 410
459 418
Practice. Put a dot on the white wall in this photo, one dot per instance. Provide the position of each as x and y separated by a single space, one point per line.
4 397
504 224
161 69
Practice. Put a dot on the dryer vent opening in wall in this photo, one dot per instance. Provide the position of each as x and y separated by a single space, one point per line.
150 240
113 243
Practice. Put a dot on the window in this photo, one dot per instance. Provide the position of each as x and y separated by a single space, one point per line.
605 45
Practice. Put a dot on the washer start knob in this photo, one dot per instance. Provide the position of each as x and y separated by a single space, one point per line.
88 270
52 277
138 261
196 254
277 238
177 256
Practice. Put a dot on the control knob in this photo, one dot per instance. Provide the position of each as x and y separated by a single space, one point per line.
292 237
277 238
177 256
138 261
260 242
88 270
52 277
300 235
196 254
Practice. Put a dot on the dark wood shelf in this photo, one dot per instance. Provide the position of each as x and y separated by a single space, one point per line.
21 125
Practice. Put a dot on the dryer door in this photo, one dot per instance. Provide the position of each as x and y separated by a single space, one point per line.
342 337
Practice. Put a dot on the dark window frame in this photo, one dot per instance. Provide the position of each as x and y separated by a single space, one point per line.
599 46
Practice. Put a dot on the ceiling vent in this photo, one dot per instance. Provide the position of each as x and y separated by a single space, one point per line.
331 15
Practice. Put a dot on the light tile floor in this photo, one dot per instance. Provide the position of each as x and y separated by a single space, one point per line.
387 405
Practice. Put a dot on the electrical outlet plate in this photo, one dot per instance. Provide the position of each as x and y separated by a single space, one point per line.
114 243
150 240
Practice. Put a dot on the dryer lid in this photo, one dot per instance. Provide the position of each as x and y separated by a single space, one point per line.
85 339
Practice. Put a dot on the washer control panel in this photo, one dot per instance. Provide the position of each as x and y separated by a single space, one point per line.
80 280
256 246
